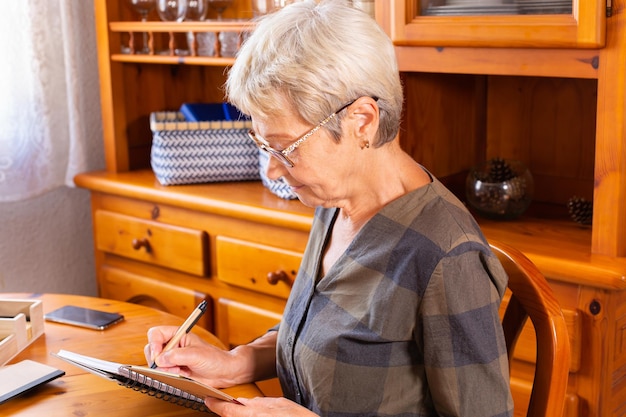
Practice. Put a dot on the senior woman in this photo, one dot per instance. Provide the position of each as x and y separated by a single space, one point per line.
394 311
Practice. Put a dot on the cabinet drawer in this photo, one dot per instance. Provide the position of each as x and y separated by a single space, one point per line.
257 267
121 285
240 323
165 245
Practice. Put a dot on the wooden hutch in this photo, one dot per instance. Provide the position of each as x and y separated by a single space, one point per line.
548 90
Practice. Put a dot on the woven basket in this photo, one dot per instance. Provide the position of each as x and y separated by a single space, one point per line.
198 152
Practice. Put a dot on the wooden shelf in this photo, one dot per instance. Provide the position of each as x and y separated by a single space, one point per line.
561 249
170 30
173 60
239 25
570 63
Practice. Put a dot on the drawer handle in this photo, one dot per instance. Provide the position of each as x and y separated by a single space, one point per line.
275 277
142 243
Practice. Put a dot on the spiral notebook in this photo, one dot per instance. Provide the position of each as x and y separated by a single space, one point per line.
167 386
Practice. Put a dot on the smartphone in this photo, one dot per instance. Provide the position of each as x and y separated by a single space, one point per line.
84 317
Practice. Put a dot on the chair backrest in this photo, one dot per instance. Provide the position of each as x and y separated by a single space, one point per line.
531 296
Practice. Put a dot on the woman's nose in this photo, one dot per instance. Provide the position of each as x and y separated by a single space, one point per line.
274 169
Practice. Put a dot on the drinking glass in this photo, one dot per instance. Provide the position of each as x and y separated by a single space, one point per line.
229 43
219 6
279 4
172 11
261 7
196 11
143 7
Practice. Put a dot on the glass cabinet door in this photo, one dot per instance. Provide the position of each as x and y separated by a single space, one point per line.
494 7
497 23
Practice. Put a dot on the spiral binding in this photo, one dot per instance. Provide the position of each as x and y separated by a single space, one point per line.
162 391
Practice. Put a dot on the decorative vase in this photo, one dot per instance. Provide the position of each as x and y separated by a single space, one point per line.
499 189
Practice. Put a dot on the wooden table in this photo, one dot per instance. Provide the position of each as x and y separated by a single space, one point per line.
80 393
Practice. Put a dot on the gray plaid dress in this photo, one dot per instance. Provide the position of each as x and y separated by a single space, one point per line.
405 323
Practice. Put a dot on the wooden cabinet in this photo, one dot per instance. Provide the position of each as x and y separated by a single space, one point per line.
224 243
582 27
120 284
548 90
170 247
473 93
230 244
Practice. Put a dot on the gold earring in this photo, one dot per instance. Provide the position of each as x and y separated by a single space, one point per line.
365 144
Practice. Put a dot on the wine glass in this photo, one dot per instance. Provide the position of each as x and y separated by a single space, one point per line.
196 10
143 7
172 11
219 6
279 4
204 41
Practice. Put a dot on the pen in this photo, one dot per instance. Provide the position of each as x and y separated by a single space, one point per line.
184 328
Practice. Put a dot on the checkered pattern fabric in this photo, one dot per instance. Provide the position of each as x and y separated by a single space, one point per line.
406 321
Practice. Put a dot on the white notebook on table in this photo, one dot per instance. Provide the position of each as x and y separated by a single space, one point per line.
23 376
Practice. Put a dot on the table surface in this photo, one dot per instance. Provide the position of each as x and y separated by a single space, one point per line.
80 393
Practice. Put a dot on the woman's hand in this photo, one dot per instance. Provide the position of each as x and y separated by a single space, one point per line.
258 407
193 357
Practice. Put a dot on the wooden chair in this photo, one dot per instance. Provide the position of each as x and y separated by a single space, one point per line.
531 296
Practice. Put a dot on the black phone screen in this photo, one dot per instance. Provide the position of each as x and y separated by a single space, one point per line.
84 317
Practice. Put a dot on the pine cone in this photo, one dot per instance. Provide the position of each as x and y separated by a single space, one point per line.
580 210
517 188
493 200
500 170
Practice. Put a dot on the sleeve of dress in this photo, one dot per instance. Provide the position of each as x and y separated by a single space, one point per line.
465 356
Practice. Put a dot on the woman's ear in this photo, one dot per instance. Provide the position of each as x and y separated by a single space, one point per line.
365 112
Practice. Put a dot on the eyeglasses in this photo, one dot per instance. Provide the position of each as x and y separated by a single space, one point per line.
282 156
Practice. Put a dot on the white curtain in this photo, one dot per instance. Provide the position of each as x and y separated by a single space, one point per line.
50 125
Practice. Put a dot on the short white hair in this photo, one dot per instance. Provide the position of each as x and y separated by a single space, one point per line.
316 57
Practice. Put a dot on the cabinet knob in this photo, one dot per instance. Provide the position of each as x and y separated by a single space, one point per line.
142 243
275 277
